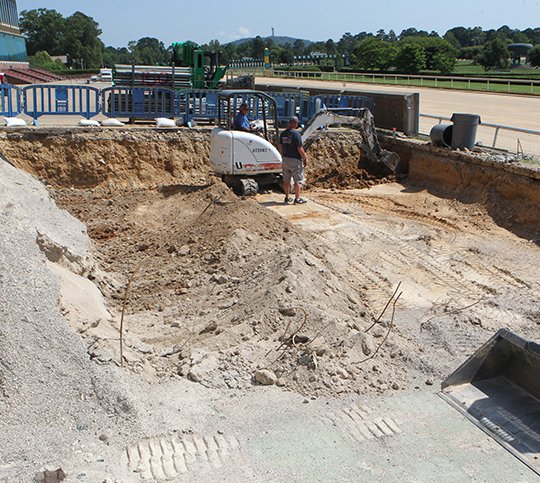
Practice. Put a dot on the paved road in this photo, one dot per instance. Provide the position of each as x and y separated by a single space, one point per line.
510 110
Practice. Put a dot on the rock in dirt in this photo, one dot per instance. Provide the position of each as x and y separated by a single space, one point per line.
265 377
287 312
211 327
50 476
368 345
184 251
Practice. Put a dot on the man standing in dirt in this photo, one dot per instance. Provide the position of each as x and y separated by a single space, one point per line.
294 160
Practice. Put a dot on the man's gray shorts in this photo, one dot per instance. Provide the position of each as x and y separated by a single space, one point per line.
293 168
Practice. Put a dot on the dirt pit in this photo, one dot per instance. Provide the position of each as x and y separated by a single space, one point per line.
223 287
142 157
220 287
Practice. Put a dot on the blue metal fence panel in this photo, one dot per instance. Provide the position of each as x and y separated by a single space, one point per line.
10 100
139 103
199 104
64 100
334 101
292 104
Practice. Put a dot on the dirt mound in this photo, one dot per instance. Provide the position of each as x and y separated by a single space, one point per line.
221 287
336 162
108 157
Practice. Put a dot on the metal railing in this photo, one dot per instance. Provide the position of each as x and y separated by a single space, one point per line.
138 103
47 100
10 100
199 104
496 127
463 83
333 101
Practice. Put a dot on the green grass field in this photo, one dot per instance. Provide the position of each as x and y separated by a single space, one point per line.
510 88
468 68
503 84
448 84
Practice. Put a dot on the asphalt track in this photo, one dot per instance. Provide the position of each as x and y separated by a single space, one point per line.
506 109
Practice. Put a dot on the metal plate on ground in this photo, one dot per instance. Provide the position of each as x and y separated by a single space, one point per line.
505 412
498 389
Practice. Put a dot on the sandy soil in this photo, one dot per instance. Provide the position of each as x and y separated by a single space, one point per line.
231 293
220 286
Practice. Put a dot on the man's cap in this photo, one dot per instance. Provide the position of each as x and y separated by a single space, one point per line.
244 104
294 119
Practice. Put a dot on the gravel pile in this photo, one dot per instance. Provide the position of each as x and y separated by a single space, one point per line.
55 403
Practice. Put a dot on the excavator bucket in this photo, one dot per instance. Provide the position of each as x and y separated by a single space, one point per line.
498 389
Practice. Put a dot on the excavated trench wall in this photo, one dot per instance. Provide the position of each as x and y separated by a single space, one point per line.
510 191
145 157
88 158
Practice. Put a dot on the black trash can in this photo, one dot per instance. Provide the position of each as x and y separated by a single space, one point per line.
441 135
464 132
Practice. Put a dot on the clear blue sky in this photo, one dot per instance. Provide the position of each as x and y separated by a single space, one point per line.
203 20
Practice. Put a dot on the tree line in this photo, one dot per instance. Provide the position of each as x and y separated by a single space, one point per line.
48 33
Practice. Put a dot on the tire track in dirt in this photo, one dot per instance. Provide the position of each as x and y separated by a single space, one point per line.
376 204
404 255
359 424
372 287
167 457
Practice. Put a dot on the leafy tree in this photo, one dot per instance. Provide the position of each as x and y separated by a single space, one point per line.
214 45
347 43
377 54
519 37
82 43
43 60
330 47
149 51
494 55
467 37
433 46
44 31
77 36
391 37
411 58
298 47
469 53
443 62
412 32
534 56
451 39
229 53
258 48
533 35
113 56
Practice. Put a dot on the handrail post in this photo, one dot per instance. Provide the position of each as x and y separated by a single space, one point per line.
495 136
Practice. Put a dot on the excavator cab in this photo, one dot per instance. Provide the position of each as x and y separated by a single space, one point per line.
262 107
246 160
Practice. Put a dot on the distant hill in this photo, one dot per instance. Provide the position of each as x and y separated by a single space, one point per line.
278 40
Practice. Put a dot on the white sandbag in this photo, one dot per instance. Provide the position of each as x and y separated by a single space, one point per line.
164 122
88 122
112 122
14 122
